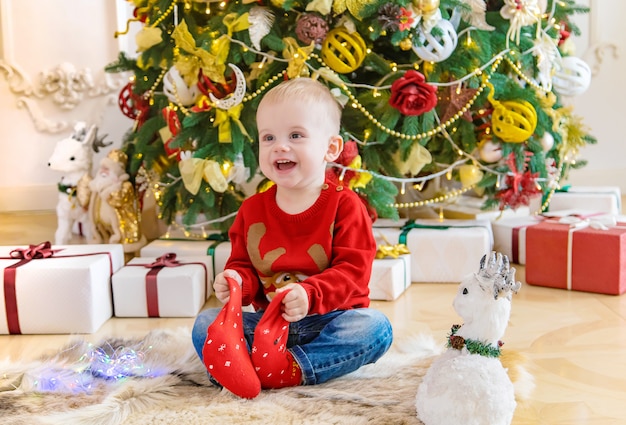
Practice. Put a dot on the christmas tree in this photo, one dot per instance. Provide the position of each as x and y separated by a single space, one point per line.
468 92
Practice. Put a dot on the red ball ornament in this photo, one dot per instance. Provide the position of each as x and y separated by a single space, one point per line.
125 101
132 105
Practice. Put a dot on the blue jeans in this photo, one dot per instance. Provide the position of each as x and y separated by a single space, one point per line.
325 346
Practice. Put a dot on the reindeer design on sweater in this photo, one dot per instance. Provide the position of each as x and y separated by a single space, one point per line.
263 263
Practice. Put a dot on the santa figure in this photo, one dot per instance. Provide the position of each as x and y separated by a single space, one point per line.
113 207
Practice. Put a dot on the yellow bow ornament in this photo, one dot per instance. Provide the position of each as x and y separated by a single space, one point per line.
361 179
148 37
195 59
297 57
223 119
192 170
233 23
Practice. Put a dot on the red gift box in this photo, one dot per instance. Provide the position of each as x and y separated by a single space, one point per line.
577 257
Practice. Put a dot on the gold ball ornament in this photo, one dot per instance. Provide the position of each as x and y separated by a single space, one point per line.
426 6
513 121
469 174
342 51
406 44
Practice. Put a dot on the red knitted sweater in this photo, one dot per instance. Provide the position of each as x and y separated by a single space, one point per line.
329 248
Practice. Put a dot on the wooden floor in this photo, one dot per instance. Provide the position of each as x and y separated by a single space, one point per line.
575 342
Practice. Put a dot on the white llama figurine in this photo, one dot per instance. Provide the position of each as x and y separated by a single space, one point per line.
467 384
72 156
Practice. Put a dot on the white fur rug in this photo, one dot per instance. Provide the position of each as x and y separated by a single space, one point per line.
382 393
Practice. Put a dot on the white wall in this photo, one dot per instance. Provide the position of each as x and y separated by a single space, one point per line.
39 35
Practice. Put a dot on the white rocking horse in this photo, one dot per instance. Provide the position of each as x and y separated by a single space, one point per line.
72 156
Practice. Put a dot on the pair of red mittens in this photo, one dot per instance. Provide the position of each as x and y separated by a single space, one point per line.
226 356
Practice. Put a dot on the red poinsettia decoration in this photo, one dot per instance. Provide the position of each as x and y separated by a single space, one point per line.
411 95
406 19
521 186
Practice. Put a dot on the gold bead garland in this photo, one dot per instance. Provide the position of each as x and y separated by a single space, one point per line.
546 203
265 86
180 105
524 77
150 93
164 15
451 195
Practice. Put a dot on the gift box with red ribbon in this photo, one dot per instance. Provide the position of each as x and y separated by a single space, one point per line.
59 289
168 286
441 251
577 254
216 246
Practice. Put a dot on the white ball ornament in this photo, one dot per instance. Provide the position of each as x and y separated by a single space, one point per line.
177 91
573 76
547 141
437 48
490 152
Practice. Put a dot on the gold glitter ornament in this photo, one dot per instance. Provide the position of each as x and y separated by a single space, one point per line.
342 51
406 44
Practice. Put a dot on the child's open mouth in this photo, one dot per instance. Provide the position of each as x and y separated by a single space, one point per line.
285 164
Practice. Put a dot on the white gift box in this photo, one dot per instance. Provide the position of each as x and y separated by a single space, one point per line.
179 290
390 277
606 199
69 292
470 208
218 251
509 235
388 222
441 251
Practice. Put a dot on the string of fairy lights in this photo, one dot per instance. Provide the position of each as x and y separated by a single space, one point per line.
484 72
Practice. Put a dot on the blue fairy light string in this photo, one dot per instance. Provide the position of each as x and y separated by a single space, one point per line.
102 363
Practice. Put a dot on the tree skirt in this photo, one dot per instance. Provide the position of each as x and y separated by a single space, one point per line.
158 380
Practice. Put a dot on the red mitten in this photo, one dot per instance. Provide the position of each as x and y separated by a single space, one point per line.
274 365
225 353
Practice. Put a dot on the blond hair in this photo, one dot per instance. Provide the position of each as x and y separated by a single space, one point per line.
306 90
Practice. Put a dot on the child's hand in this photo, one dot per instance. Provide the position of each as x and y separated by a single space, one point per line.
220 285
295 303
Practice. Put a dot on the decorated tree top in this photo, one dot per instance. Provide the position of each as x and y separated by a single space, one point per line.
464 91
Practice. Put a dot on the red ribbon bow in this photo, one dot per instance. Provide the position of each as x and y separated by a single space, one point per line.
165 260
152 295
43 250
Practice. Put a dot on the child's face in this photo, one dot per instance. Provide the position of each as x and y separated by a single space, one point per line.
295 143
